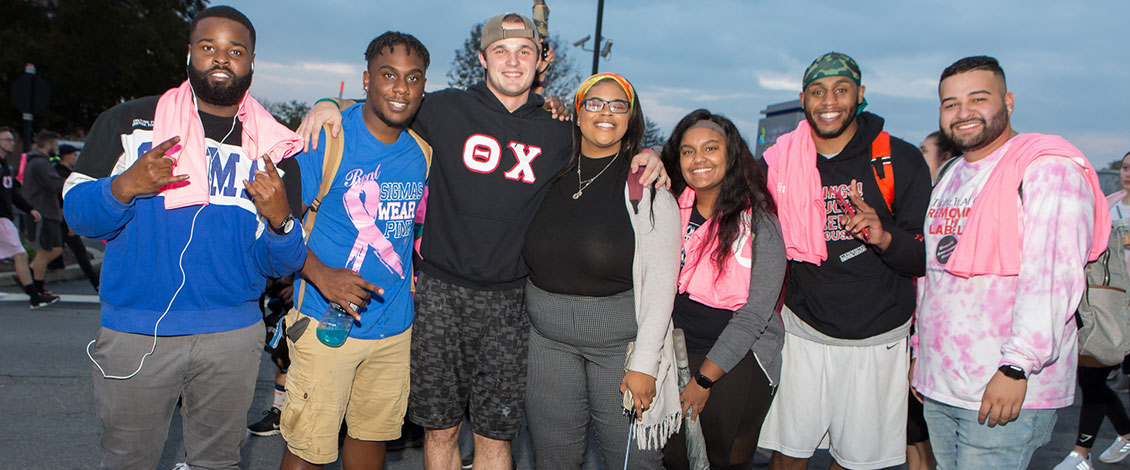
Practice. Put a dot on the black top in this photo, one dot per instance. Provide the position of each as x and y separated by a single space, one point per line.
859 292
490 168
701 324
584 246
220 127
10 192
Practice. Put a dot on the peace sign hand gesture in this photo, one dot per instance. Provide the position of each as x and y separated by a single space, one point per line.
865 224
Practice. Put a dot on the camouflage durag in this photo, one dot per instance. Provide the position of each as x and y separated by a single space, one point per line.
834 64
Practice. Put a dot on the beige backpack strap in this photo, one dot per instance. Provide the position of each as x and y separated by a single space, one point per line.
427 150
424 147
335 146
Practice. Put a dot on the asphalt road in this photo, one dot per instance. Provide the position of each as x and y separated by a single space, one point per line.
47 419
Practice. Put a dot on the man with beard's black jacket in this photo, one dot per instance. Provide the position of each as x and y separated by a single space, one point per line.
847 316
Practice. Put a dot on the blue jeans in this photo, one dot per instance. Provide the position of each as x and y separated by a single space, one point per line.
960 442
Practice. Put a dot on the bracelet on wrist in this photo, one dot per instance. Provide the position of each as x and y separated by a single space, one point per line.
329 100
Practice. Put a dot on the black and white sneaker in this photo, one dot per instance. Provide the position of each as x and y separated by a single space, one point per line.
269 425
43 300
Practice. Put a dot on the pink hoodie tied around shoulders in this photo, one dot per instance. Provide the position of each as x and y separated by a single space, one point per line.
177 116
991 244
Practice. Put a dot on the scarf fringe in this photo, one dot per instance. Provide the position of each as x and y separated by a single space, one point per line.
654 437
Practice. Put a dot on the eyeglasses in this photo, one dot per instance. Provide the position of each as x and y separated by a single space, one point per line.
595 105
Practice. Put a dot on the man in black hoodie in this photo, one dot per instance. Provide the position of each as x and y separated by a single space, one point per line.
42 186
850 297
495 151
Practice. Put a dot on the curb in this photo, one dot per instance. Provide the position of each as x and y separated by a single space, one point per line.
72 272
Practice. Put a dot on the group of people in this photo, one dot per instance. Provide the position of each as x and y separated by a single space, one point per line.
32 182
503 265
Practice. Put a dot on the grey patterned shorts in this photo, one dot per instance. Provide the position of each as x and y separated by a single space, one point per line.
468 356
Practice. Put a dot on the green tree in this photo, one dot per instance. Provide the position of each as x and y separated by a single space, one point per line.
466 69
288 113
652 134
93 53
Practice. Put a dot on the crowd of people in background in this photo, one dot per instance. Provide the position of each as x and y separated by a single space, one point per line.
499 266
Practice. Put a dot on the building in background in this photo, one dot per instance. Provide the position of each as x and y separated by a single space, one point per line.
780 119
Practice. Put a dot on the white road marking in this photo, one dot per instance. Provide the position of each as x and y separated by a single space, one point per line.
75 298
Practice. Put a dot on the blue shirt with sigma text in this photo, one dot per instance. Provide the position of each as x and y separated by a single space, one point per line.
365 222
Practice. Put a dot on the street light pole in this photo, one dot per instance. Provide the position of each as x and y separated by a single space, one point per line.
596 45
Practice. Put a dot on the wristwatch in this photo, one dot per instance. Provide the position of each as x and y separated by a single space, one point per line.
285 227
1012 372
703 381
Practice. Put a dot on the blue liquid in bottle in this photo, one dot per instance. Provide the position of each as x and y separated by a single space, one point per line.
334 326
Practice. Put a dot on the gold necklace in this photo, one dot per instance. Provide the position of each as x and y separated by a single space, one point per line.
582 184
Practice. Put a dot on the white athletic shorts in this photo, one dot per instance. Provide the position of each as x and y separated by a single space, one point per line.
9 239
849 399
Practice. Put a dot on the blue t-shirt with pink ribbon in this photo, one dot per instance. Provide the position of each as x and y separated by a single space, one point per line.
365 222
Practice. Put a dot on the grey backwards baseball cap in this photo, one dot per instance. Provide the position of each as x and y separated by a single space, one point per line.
493 30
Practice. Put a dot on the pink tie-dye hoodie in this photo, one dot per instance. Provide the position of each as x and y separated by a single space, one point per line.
968 327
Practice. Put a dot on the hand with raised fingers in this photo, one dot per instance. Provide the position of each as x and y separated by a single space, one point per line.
268 194
865 225
151 171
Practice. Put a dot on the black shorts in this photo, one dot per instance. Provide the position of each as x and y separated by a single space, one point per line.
468 355
50 234
916 430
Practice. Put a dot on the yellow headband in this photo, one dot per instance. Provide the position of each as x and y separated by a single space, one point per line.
593 80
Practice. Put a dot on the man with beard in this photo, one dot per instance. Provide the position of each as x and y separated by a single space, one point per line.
41 187
354 247
850 293
184 189
1010 228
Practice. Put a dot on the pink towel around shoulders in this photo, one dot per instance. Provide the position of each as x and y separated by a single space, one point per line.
176 116
991 244
795 184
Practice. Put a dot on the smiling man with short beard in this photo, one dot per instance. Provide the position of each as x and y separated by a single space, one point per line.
850 291
183 189
1011 226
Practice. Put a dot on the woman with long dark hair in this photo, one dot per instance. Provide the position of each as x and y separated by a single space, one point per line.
731 277
602 265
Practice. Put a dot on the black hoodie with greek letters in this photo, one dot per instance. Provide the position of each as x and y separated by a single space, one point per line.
490 168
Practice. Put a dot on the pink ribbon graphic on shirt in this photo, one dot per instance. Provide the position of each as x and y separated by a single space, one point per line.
362 203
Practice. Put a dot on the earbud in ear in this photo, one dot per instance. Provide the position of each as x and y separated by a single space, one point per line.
188 61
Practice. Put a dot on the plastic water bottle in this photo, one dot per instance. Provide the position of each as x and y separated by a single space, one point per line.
334 326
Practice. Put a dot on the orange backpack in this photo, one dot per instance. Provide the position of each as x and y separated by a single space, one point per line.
881 166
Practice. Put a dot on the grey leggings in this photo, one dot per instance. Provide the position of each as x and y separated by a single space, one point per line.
576 363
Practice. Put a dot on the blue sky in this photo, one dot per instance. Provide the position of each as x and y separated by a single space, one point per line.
1065 62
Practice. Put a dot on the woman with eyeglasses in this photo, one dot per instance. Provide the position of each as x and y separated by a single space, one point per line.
603 264
732 273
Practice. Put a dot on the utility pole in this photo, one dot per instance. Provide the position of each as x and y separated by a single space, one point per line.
596 45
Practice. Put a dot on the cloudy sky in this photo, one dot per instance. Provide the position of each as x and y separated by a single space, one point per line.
1066 62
